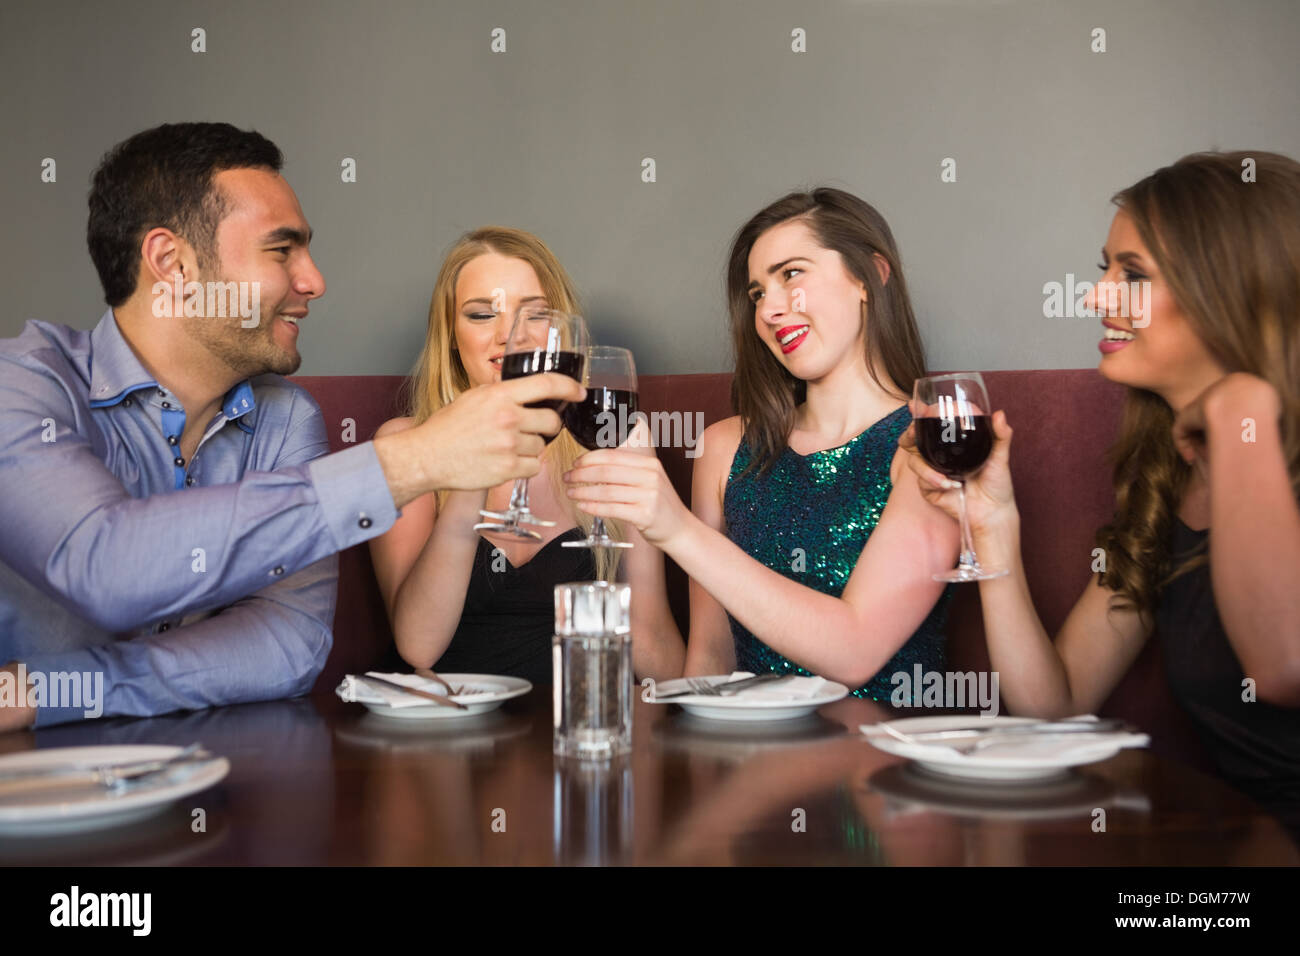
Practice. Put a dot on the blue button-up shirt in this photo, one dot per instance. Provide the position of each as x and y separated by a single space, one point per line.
185 583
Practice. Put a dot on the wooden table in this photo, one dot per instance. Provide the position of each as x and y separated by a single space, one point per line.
315 781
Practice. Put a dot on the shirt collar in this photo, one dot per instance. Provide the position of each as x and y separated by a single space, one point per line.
115 373
239 401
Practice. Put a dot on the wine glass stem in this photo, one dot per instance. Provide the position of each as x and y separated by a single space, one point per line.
598 528
967 545
519 496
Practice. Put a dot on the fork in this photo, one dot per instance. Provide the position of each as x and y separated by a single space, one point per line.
995 736
702 687
430 675
414 691
726 688
111 777
110 770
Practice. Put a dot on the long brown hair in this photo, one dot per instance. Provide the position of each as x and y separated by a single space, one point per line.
763 393
1228 245
440 375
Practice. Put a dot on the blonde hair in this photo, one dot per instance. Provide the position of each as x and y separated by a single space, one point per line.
440 376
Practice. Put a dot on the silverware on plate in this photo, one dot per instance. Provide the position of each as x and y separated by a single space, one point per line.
977 738
701 687
114 777
415 692
430 675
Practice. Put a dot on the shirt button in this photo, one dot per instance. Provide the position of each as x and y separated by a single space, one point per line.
164 626
364 522
189 479
171 439
162 391
278 570
127 400
179 461
166 404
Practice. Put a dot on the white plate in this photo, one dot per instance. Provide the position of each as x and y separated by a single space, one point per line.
498 690
742 706
67 811
1000 762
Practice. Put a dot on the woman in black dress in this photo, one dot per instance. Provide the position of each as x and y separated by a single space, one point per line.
1204 548
464 602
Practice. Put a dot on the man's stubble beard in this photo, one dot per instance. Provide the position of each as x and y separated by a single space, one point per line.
248 352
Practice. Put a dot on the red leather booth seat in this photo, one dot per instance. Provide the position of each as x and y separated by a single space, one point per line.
1064 421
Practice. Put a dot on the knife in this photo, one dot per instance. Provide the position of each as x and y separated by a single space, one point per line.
726 686
124 769
1104 726
107 780
436 698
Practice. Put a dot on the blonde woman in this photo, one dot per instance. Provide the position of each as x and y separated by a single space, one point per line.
461 601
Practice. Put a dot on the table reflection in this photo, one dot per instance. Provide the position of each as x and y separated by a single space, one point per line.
592 810
317 781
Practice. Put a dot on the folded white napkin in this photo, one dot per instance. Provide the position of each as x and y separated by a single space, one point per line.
789 688
1025 746
353 689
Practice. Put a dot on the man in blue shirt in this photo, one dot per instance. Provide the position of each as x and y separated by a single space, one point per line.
170 519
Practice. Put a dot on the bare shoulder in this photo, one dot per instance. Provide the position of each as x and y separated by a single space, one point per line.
721 439
898 468
393 426
717 450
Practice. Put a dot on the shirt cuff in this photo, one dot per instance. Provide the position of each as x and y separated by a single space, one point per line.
92 696
353 494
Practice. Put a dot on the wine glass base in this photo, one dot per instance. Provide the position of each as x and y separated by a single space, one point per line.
958 575
596 543
517 517
502 528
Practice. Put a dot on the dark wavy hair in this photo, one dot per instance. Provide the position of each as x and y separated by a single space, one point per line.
163 177
763 393
1230 253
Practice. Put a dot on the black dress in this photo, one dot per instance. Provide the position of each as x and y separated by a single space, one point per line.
1255 744
508 620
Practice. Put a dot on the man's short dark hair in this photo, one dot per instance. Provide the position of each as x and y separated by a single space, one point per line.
163 177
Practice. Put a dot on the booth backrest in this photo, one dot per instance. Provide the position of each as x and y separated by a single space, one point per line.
1064 421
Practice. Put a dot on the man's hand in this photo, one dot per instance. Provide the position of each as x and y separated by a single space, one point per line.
14 712
485 437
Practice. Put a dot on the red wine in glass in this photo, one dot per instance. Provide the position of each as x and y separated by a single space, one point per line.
954 435
604 419
519 364
541 340
955 446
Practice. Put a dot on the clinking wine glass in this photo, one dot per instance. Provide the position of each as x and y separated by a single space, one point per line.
541 340
954 434
604 420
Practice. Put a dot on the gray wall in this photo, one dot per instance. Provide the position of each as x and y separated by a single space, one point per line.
550 136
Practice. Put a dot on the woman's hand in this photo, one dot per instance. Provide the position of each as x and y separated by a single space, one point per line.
460 510
1225 405
629 484
465 500
990 498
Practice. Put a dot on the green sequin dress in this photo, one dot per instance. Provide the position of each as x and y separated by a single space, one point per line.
808 519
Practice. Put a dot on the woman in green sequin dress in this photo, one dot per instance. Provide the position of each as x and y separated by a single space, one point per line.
809 548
